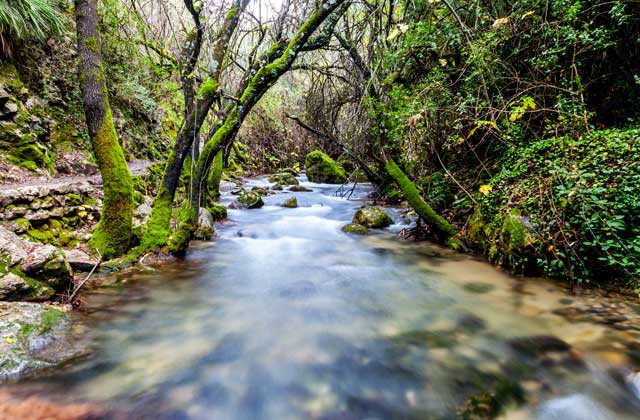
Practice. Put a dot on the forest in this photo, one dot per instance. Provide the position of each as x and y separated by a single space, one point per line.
371 209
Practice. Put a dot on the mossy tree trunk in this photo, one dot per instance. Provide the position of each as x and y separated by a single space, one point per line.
254 87
158 229
438 225
113 233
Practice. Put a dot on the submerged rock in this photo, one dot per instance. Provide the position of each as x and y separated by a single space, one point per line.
354 228
290 203
35 337
299 188
372 217
205 229
284 178
321 168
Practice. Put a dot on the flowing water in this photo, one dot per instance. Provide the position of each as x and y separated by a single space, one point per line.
284 316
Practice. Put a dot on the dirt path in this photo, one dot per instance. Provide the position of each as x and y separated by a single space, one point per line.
137 167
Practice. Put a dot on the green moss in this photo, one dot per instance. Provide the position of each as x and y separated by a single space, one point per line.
48 321
215 175
437 223
321 168
290 203
208 89
157 232
74 199
22 224
513 234
372 217
113 233
91 44
354 228
219 212
40 236
284 178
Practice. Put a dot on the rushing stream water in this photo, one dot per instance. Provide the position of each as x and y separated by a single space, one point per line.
284 316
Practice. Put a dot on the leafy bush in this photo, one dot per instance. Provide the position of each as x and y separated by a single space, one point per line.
581 197
22 20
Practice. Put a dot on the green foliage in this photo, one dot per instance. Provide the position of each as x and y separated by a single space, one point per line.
22 20
582 200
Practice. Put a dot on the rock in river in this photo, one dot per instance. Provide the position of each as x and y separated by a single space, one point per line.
321 168
35 337
372 217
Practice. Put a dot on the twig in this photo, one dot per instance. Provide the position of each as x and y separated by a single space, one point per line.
86 278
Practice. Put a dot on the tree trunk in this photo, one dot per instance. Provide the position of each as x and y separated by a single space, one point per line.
113 233
438 225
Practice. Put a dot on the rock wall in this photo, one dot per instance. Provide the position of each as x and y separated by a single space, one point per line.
59 213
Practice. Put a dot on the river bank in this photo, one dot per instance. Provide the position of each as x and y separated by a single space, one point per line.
286 316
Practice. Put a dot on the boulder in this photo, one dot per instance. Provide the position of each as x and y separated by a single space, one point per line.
372 217
290 203
35 337
321 168
354 228
14 286
205 229
12 249
299 188
48 263
249 200
218 211
79 260
284 178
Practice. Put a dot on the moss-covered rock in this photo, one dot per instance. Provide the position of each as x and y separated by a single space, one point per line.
299 188
290 203
35 337
205 228
249 200
354 228
16 286
284 178
372 217
218 211
321 168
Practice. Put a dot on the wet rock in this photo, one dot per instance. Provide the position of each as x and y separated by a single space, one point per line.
48 263
538 345
12 248
478 287
284 178
14 286
299 188
205 229
218 211
372 217
34 408
236 191
290 203
277 187
259 190
321 168
79 260
34 337
249 200
354 228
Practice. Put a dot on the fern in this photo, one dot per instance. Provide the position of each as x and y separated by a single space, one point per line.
22 20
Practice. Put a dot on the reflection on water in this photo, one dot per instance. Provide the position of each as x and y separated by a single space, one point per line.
285 316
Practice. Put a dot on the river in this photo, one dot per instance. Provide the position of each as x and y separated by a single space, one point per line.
284 316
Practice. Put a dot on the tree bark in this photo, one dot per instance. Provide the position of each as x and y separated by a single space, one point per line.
113 233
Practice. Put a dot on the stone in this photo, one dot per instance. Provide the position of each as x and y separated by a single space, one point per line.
372 217
290 203
205 229
299 188
249 200
35 337
79 260
277 187
14 211
354 228
321 168
284 178
142 214
12 249
17 287
48 263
